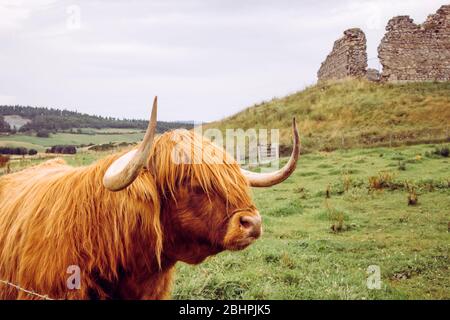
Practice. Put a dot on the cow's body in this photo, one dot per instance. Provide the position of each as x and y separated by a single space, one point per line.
126 220
53 216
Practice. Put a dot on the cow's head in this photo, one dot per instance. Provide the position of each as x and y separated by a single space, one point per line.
206 205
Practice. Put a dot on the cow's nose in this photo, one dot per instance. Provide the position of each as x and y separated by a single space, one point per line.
252 224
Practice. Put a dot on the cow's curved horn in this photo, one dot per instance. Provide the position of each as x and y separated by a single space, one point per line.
122 172
272 178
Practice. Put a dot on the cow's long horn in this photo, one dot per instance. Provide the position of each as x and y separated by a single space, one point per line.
272 178
122 172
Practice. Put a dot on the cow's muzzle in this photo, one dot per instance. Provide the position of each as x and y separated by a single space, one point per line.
243 229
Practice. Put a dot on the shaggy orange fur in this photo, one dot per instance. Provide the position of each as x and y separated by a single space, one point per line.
126 243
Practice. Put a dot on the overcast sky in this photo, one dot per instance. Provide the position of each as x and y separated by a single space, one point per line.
204 59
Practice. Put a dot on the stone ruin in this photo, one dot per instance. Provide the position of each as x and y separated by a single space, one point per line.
348 57
412 52
408 52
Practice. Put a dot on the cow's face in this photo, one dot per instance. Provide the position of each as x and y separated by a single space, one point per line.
202 224
205 203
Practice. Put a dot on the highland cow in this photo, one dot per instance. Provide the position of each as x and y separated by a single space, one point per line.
126 220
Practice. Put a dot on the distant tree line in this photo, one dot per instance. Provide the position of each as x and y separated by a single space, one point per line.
58 120
18 151
66 149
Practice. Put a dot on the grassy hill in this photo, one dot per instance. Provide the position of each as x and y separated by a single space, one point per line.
354 113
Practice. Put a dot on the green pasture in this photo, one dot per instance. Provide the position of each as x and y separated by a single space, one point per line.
300 257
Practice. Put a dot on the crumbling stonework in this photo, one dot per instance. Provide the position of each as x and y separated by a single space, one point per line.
408 52
411 52
348 57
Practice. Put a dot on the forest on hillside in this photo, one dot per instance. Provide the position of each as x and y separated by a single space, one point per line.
60 120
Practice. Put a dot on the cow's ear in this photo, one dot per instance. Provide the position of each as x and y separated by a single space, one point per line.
123 171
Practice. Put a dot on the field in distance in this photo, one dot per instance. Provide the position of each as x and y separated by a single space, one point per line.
40 128
103 136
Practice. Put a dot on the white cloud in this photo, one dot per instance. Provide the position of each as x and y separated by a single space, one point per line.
127 49
14 13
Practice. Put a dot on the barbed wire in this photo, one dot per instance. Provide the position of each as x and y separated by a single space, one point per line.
44 297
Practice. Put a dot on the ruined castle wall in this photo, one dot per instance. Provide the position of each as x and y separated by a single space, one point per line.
411 52
348 57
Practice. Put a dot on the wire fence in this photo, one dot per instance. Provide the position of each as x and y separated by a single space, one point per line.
29 292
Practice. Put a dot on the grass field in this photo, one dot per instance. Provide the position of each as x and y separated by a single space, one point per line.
300 257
